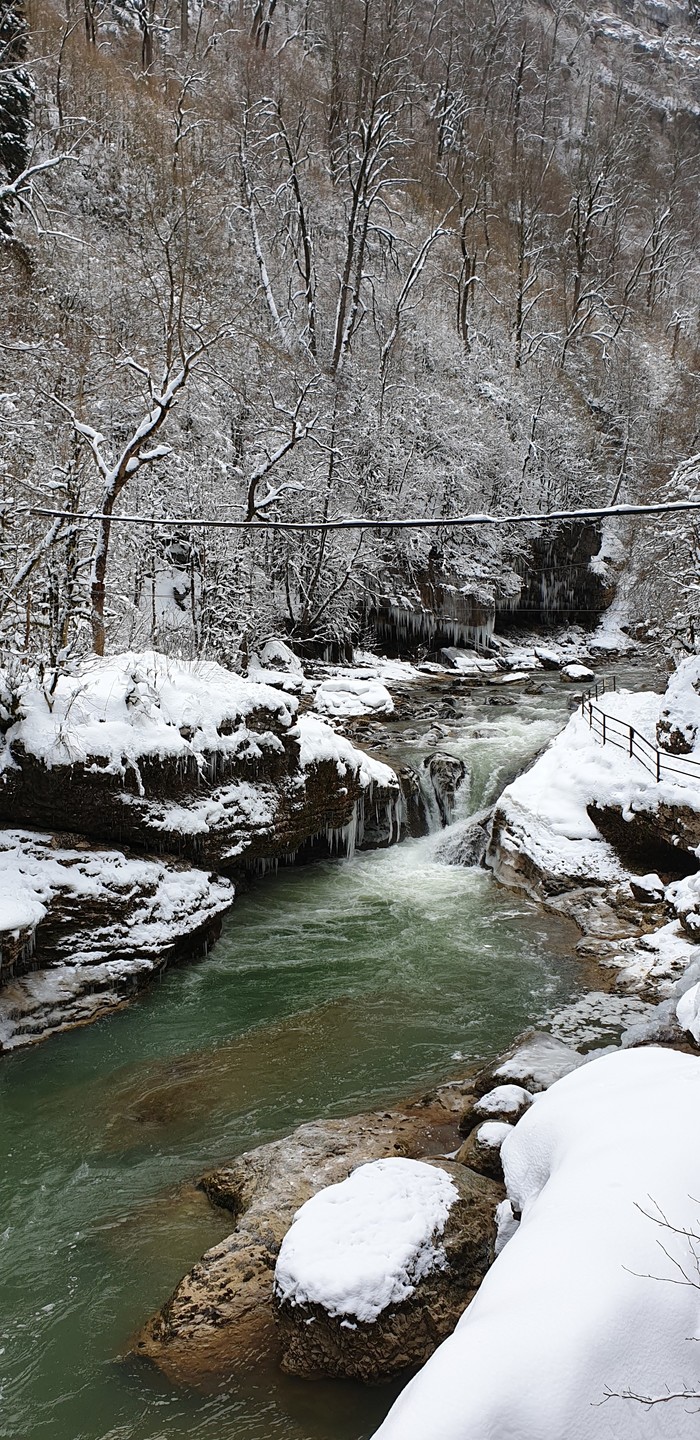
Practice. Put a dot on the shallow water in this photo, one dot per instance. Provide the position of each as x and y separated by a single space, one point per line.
333 988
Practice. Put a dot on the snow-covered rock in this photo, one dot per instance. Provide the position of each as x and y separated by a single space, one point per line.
577 672
679 718
587 1303
376 1269
350 696
364 1244
481 1151
189 758
510 1100
220 1317
95 926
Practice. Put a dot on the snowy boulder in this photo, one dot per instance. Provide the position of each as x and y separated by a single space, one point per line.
275 655
376 1270
538 1062
647 889
504 1102
278 666
481 1151
347 697
577 1312
679 718
577 672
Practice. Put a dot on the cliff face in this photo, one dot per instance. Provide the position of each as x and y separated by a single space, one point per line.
188 760
540 580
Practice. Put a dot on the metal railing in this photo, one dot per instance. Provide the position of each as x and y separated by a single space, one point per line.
608 730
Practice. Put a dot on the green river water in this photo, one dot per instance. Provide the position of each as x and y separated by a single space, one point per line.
333 987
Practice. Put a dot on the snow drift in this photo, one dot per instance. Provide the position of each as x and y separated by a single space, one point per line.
589 1300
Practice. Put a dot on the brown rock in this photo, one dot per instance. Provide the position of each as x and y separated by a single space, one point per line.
220 1319
485 1159
404 1335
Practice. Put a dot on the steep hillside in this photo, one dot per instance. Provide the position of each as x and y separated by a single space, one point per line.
322 260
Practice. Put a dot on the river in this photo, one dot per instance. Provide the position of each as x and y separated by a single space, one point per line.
334 987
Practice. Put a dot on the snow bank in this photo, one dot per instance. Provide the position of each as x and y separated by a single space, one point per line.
121 709
546 808
688 1012
364 1244
578 1305
319 742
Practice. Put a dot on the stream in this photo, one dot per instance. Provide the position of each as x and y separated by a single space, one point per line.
334 988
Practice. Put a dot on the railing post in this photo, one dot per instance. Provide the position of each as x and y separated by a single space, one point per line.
631 742
603 713
658 766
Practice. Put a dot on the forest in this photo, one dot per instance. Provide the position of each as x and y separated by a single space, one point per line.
302 261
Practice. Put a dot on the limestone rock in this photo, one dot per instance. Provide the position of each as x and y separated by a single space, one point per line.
101 924
445 774
662 838
505 1103
194 761
467 841
404 1334
535 1063
220 1317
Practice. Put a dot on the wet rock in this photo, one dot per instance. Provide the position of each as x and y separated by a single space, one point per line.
593 910
415 817
446 774
467 841
404 1334
481 1150
220 1318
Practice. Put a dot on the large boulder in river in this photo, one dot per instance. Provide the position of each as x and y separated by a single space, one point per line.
188 758
220 1317
376 1271
445 773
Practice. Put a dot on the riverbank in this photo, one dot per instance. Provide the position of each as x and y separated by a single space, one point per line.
571 868
208 769
359 978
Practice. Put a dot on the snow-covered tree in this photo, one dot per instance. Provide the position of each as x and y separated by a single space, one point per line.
16 97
